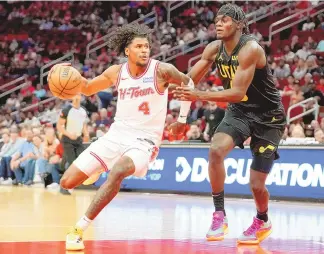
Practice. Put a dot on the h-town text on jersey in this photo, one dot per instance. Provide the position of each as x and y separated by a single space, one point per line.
134 92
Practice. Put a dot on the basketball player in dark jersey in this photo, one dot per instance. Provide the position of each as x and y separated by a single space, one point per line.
255 110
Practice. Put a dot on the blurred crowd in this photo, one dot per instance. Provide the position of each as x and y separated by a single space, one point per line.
30 155
34 33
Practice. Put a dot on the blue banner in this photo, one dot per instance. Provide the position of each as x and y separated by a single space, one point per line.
297 174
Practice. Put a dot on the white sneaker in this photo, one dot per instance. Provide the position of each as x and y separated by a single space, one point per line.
53 186
1 179
37 178
7 182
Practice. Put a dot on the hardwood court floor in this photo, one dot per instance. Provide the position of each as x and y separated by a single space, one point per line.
35 220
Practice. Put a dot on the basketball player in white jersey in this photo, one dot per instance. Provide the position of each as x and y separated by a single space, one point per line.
134 138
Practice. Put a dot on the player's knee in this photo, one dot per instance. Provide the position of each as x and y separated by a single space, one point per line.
216 153
123 168
72 178
220 147
66 183
257 185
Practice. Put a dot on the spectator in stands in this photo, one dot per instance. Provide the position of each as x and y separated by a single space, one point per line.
318 132
288 54
40 92
296 131
93 119
308 25
103 118
56 168
304 52
295 45
174 105
23 161
194 133
101 130
289 88
91 130
47 150
312 43
256 34
4 148
7 121
282 70
90 104
320 46
46 24
320 85
31 119
313 92
13 102
308 80
168 121
50 142
296 95
14 146
322 124
105 97
213 115
321 65
197 112
39 148
300 70
320 18
311 64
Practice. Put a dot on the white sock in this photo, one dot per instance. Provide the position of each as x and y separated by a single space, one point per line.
83 223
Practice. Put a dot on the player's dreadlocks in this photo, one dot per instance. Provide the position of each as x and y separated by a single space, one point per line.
236 13
124 35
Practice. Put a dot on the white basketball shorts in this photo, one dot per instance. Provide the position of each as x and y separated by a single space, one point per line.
105 152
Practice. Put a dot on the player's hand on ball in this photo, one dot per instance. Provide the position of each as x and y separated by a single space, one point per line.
64 81
177 130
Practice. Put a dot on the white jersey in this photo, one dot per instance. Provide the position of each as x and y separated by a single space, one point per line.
141 107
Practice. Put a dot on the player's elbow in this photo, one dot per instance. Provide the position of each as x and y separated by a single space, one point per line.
86 91
237 96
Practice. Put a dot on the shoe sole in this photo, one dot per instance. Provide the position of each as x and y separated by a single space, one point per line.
258 241
218 238
74 246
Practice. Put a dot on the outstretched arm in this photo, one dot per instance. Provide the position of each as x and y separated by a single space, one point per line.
199 70
248 58
101 82
168 75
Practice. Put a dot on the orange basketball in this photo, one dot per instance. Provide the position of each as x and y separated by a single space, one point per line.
64 81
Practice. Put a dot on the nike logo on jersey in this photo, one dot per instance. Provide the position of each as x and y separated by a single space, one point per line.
124 78
148 79
134 92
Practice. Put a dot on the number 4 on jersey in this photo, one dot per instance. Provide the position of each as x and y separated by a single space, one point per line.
144 107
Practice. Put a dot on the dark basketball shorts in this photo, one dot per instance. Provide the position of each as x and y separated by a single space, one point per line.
265 130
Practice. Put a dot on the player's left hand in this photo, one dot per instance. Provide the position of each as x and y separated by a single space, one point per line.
183 93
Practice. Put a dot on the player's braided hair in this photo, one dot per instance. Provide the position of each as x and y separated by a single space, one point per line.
236 13
124 35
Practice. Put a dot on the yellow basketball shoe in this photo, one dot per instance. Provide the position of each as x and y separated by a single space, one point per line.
74 239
